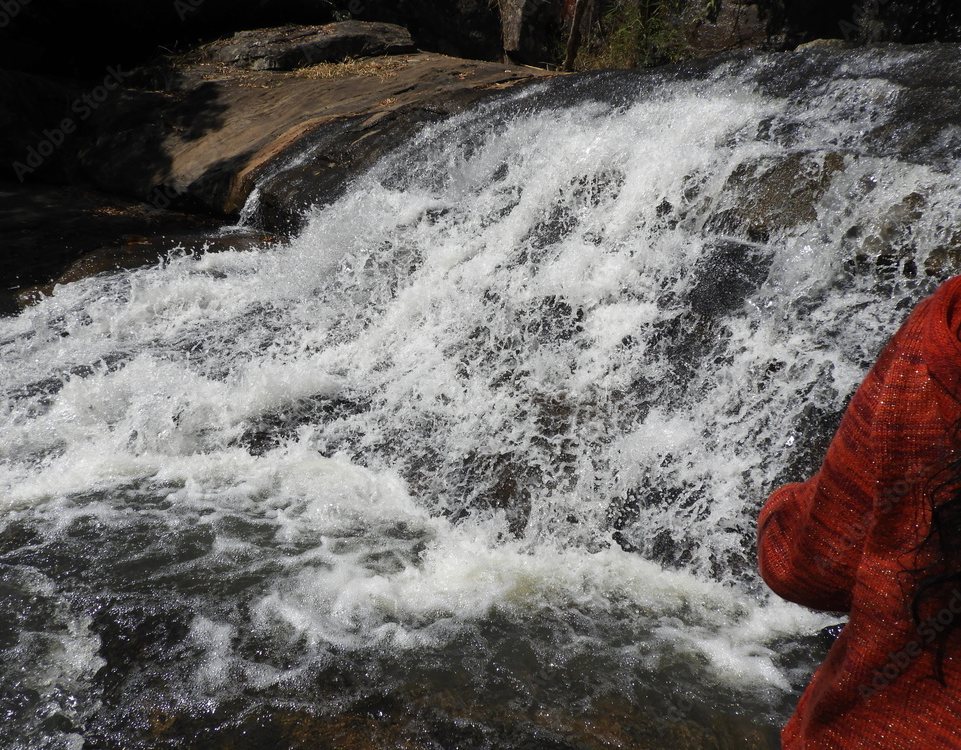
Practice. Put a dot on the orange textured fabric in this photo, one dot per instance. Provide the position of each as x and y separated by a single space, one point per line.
846 539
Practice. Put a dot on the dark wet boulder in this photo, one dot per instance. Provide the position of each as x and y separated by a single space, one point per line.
727 274
184 141
38 127
201 134
295 47
55 37
460 28
533 30
909 21
47 229
776 194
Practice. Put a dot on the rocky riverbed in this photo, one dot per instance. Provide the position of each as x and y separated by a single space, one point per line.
176 149
118 169
472 454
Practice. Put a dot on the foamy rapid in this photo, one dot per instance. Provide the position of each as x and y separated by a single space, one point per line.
500 380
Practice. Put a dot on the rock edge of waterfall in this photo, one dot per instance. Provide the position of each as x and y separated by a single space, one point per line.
115 173
176 148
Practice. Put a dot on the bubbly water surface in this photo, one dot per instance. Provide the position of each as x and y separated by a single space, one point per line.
498 421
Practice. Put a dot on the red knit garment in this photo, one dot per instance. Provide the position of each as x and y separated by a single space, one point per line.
846 540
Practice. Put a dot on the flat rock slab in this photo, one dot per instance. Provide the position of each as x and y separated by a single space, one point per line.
301 46
53 234
206 132
180 147
44 228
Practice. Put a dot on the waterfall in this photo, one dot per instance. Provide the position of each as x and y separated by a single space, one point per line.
492 430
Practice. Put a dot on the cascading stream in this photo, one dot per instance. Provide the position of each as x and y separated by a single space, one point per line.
497 423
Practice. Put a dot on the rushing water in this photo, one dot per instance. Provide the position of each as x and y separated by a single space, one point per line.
474 460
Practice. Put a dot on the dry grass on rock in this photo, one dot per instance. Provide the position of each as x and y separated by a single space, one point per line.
382 67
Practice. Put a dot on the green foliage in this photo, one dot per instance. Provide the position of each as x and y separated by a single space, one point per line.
635 34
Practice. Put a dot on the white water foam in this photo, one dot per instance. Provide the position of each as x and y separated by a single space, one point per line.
430 401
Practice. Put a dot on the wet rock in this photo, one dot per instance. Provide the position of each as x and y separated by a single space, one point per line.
132 637
554 319
17 534
58 35
44 230
447 719
824 44
419 90
460 28
726 275
501 482
38 127
57 235
139 251
270 430
295 47
339 151
945 261
710 28
908 21
887 248
215 130
812 433
771 195
186 142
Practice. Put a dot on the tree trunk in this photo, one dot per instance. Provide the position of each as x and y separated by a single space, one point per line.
574 38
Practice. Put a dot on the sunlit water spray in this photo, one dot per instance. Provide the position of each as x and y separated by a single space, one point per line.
498 422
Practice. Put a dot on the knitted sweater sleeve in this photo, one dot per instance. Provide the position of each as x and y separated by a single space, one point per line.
811 535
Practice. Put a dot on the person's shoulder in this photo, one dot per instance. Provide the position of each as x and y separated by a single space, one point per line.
938 322
940 306
949 288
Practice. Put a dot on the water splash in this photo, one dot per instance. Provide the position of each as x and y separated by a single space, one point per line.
531 376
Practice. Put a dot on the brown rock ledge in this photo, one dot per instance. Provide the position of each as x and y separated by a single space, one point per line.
205 138
176 151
